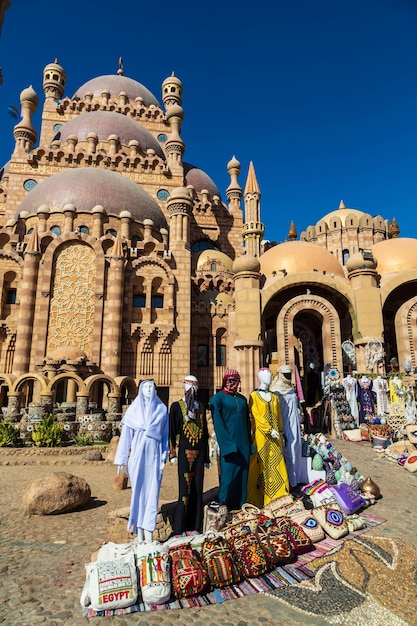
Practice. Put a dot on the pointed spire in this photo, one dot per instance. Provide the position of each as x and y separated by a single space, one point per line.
33 243
342 205
251 182
120 70
117 249
395 229
292 233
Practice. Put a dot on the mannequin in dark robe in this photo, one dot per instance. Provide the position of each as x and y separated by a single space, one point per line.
188 446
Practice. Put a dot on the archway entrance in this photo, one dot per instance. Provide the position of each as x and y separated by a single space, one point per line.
308 354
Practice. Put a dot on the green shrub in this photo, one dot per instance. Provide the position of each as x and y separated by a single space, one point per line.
47 433
10 435
82 439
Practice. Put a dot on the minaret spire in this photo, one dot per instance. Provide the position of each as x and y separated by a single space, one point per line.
253 229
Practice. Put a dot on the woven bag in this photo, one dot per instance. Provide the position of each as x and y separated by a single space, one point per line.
241 520
277 506
188 573
215 516
295 534
219 561
268 532
250 555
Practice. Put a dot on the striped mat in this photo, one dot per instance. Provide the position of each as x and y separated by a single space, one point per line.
283 576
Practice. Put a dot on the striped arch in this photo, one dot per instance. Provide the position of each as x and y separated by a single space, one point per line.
406 334
331 338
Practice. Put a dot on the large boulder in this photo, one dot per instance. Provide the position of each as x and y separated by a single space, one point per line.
57 492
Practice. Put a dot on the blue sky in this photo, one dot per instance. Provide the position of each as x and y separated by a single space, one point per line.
321 96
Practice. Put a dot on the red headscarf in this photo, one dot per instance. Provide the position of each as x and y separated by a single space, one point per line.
230 374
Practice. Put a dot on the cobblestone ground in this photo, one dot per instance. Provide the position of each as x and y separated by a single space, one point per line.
42 558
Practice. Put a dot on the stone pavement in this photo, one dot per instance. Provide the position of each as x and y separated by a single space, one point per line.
42 558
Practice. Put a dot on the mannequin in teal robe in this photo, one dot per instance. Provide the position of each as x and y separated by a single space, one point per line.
232 426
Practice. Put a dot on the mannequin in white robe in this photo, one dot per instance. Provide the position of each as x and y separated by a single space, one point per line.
288 401
144 435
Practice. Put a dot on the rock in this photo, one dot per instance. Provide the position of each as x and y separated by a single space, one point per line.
57 492
120 482
112 449
93 455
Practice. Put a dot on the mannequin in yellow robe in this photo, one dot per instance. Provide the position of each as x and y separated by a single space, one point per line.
268 478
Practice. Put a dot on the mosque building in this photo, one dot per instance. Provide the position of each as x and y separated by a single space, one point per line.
120 261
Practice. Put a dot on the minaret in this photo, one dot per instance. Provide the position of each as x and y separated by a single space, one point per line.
32 255
234 190
395 229
175 147
292 233
171 91
54 81
253 228
24 132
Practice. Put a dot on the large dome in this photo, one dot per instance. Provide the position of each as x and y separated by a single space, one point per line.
199 180
342 214
105 123
116 84
299 256
86 187
395 255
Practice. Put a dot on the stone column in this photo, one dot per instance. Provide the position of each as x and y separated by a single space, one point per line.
13 406
71 390
113 407
26 316
113 311
82 404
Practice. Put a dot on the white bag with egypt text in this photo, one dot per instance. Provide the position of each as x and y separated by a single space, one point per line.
110 584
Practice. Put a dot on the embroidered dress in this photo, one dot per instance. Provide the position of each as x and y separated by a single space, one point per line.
288 402
233 432
268 477
380 388
349 383
189 443
365 398
396 390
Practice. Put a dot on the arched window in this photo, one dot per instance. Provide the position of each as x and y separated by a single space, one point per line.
345 256
56 230
205 244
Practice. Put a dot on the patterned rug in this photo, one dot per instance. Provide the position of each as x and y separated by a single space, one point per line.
367 580
280 579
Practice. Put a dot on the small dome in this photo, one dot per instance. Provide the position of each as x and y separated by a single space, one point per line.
199 180
358 262
115 84
396 255
299 256
67 353
29 94
85 188
208 255
106 123
246 263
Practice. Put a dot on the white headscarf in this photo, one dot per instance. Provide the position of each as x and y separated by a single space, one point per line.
146 414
